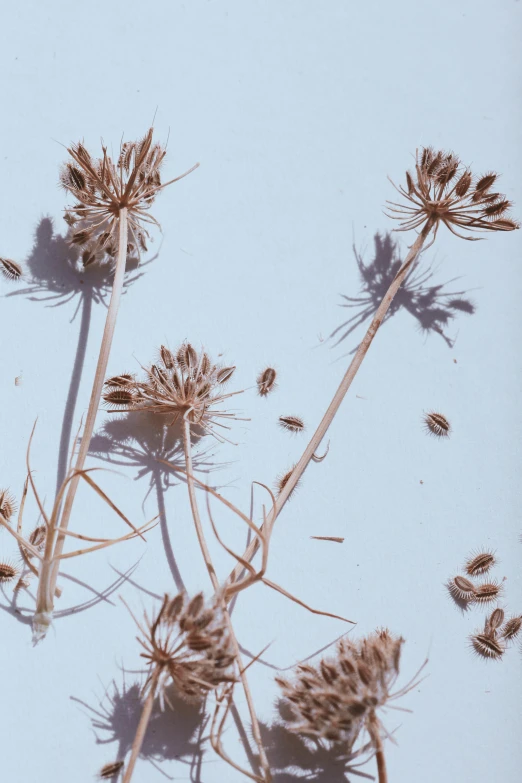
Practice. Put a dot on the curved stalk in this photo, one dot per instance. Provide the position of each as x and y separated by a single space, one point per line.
256 731
379 750
55 543
339 395
142 727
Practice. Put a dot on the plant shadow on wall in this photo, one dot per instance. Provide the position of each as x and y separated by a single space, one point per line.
432 305
175 734
145 441
56 275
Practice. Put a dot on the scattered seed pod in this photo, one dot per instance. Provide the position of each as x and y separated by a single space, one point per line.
291 423
511 628
8 572
118 398
282 481
487 646
225 374
7 504
494 621
437 424
487 592
462 589
10 269
266 381
480 563
110 770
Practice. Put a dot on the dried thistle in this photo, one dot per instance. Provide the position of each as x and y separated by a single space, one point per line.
266 381
110 770
337 700
291 423
480 563
487 646
185 385
437 424
7 504
462 589
103 188
10 269
511 628
443 191
487 592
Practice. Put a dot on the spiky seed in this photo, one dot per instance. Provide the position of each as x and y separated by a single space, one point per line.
462 588
511 628
479 564
225 374
464 183
266 381
485 182
497 208
76 177
494 621
487 646
118 397
7 572
487 592
7 504
409 182
166 357
282 481
196 605
291 423
119 380
10 269
437 424
110 769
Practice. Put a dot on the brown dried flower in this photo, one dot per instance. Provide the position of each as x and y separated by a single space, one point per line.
186 385
442 191
188 644
437 424
291 423
338 699
10 269
480 563
102 188
266 381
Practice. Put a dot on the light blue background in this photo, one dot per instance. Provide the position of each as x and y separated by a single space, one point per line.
297 112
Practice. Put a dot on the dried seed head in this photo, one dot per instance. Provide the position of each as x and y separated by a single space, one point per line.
10 269
184 385
266 381
487 646
487 592
437 424
511 628
462 589
282 481
441 192
480 563
8 572
494 621
189 644
291 423
110 770
7 504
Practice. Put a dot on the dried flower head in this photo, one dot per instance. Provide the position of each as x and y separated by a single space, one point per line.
266 381
8 572
437 424
188 644
487 646
480 563
291 423
10 269
487 592
7 504
185 385
442 191
338 698
110 770
462 589
102 188
511 628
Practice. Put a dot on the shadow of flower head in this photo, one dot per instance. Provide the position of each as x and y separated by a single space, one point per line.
172 734
433 306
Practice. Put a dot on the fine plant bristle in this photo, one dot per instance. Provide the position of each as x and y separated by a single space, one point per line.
282 480
494 621
487 646
7 504
10 269
291 423
480 563
462 589
511 628
266 381
487 592
8 572
110 770
437 424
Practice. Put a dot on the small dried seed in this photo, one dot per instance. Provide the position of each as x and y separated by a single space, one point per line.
266 381
437 424
480 563
462 589
511 628
487 592
10 269
7 572
291 423
109 770
487 647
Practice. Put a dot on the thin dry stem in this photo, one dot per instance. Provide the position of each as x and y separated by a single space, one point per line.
142 726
